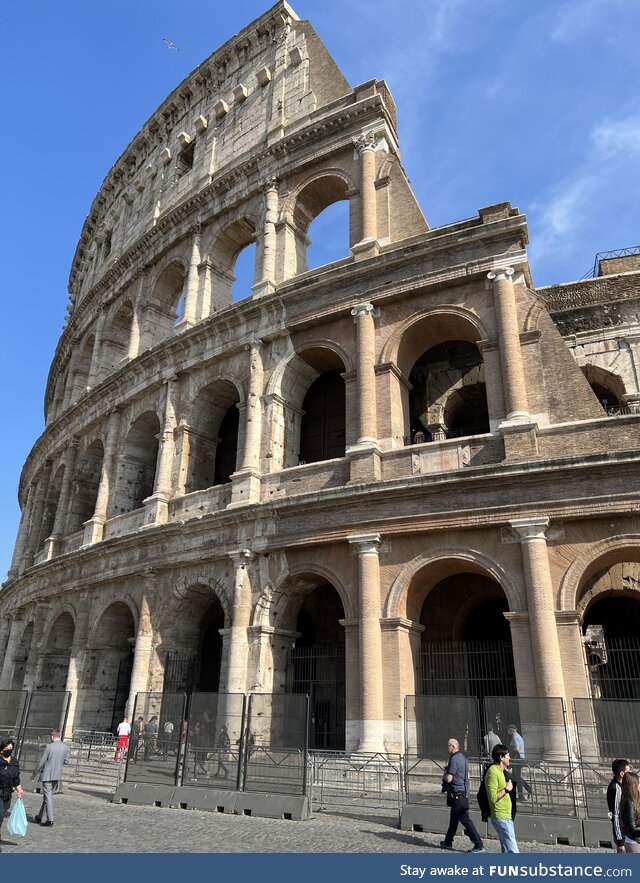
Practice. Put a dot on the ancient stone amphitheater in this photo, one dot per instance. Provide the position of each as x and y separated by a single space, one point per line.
405 473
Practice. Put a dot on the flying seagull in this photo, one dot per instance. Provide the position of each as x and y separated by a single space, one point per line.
171 45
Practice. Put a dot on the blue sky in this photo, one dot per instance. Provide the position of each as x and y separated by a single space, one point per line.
532 102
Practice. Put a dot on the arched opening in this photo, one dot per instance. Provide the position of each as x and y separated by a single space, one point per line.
448 396
109 668
86 484
83 367
312 200
193 644
608 387
51 505
214 436
162 311
611 629
115 344
328 235
137 466
323 424
233 262
55 662
316 665
22 655
244 271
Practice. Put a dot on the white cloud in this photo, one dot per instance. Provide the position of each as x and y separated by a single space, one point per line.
617 137
578 18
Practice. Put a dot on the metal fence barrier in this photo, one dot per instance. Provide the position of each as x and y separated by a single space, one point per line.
214 741
277 743
45 711
356 781
13 707
156 743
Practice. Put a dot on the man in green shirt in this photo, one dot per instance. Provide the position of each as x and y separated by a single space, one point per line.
499 800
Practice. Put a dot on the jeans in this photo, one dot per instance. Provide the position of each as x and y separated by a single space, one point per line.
456 817
506 833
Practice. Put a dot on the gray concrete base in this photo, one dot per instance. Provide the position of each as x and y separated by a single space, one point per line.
537 828
597 832
272 806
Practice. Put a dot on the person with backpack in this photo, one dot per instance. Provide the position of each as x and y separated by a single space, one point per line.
455 782
499 799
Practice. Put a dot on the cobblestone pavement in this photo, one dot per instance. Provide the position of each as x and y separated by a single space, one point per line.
85 821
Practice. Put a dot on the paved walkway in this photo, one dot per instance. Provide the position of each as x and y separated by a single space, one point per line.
85 821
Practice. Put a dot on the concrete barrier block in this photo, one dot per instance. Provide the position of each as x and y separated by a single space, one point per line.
143 794
211 800
596 832
274 806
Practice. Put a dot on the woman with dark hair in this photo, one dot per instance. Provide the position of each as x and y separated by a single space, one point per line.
630 812
9 778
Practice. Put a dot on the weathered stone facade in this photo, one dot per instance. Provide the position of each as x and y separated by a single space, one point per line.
366 456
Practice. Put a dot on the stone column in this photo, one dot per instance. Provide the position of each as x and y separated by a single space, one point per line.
35 651
23 534
366 375
246 485
237 635
71 376
143 648
76 658
365 145
157 505
35 527
134 335
513 378
267 283
370 641
94 528
13 643
95 369
52 543
189 311
544 633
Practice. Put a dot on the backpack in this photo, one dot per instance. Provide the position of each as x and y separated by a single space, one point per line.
483 798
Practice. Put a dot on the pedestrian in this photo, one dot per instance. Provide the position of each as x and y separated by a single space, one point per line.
455 782
499 798
166 739
122 744
630 812
151 737
490 740
223 745
137 730
614 798
49 772
9 779
516 752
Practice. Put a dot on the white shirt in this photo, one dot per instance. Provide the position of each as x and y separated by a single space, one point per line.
124 728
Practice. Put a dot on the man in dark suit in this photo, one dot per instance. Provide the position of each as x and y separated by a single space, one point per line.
49 773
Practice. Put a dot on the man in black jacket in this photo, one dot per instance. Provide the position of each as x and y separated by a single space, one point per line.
614 796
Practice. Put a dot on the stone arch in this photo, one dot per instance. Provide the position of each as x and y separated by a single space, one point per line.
88 470
320 572
57 644
607 385
22 654
117 334
137 463
162 308
452 559
107 671
598 556
213 434
228 242
310 197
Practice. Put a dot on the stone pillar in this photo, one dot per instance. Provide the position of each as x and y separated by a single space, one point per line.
13 643
547 660
267 283
143 648
189 310
366 375
71 376
35 651
157 505
246 481
95 369
23 534
134 335
513 378
368 246
35 527
370 641
76 659
52 543
238 650
94 528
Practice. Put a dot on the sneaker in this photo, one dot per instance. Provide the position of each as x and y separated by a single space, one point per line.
476 849
444 845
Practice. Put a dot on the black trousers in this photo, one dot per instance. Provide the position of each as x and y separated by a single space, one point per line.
461 817
5 806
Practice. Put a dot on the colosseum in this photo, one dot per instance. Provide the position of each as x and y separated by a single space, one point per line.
405 480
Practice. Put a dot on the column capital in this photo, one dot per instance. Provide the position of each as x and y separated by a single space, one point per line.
363 309
241 556
365 141
365 543
530 529
500 274
270 184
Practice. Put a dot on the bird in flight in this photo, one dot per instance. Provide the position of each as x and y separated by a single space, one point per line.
171 45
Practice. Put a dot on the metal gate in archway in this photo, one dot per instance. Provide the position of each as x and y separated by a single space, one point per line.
319 672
